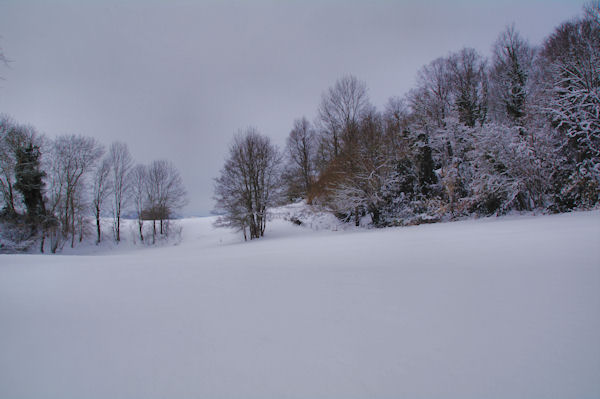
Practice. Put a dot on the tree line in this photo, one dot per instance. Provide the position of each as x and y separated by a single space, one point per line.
54 190
518 131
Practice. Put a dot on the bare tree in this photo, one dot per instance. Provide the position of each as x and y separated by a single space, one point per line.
301 152
75 156
8 145
81 207
453 86
340 110
431 100
138 180
54 198
396 119
101 190
509 77
248 184
165 194
470 87
120 161
367 170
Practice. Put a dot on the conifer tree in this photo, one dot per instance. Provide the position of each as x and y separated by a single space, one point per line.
29 180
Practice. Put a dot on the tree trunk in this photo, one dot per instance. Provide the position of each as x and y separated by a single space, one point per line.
375 216
118 227
154 231
140 226
72 224
263 224
335 145
54 239
11 200
66 220
98 225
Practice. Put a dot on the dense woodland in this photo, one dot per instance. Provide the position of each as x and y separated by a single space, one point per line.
518 131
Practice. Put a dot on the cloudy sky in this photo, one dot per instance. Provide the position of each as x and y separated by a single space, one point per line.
176 79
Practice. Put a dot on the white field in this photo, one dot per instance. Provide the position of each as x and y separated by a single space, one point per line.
489 308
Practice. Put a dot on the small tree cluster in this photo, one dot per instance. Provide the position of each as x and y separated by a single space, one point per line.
158 193
50 188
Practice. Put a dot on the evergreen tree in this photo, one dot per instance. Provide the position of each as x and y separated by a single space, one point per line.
425 163
29 180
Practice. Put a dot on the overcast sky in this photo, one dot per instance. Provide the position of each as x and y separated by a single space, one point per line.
177 79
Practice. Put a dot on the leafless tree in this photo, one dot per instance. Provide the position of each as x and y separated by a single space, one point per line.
138 180
340 110
431 99
396 122
75 156
165 194
8 145
367 170
54 197
120 161
454 86
470 87
101 190
509 77
248 184
301 152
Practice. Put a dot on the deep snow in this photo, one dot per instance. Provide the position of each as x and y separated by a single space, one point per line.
489 308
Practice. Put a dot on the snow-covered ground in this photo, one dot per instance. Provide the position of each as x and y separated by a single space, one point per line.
489 308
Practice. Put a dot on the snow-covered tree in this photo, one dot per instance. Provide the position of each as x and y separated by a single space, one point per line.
29 178
9 142
571 62
510 170
467 70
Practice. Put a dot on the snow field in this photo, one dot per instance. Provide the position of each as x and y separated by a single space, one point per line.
490 308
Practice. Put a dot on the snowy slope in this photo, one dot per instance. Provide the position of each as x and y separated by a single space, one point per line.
492 308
